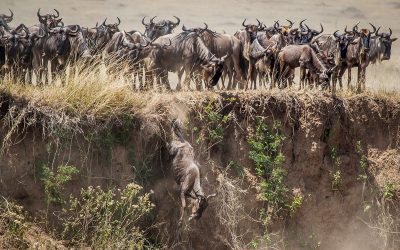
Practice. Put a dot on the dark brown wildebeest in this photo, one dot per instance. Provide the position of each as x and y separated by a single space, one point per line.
101 35
186 172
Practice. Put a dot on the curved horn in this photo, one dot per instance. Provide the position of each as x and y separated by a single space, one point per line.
178 21
58 14
73 31
40 16
335 33
60 23
104 22
390 32
377 32
322 30
355 28
301 23
144 22
243 24
259 23
152 20
119 21
276 26
206 26
373 28
290 23
347 32
10 17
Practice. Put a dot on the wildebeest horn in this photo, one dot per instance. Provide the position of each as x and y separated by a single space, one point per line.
58 14
104 22
184 28
355 28
206 26
390 31
10 17
377 32
178 21
335 33
373 28
119 21
301 23
322 30
152 20
308 30
259 23
60 23
276 26
73 31
144 22
40 16
290 23
243 24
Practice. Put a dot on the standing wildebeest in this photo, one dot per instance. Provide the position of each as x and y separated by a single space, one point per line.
221 45
186 172
18 52
303 56
4 28
155 30
357 55
101 35
187 50
57 47
381 46
308 34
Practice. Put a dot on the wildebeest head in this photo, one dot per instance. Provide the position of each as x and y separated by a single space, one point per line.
50 20
343 41
252 29
154 30
214 68
200 205
385 43
58 44
285 30
5 19
365 36
308 34
104 32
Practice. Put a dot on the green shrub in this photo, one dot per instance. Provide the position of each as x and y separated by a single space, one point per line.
215 123
108 219
53 182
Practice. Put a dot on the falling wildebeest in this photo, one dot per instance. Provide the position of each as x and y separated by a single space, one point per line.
187 174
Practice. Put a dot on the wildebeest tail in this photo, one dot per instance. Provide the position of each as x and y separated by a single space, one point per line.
243 62
177 129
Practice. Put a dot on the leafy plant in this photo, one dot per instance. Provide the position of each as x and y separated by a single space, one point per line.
53 182
296 203
336 175
265 152
12 226
336 178
108 219
389 190
215 123
363 162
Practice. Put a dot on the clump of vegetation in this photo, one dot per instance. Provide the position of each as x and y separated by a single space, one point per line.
53 182
265 151
108 219
389 190
215 123
336 174
363 162
12 226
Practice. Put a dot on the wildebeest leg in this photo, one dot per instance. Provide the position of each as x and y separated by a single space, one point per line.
180 74
303 75
359 78
348 77
183 203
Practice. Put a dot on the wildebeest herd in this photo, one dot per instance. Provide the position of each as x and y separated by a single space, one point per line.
255 56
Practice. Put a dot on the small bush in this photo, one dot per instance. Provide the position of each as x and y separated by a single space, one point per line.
215 123
12 226
53 182
389 191
107 219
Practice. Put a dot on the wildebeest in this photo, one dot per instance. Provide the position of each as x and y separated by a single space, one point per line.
18 46
381 46
187 50
155 30
303 56
186 172
224 45
101 35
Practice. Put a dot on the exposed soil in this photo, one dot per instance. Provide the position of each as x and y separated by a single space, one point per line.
312 125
